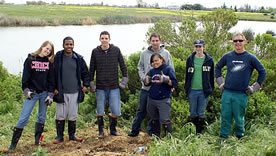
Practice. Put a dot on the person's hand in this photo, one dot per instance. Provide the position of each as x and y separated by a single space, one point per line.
28 94
173 89
251 89
147 80
92 87
221 88
84 89
55 91
123 83
164 78
49 101
220 82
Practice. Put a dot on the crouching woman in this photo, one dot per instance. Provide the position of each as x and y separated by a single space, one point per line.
163 81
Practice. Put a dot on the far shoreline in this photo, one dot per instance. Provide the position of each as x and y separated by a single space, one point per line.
61 15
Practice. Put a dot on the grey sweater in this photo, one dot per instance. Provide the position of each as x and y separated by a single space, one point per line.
144 65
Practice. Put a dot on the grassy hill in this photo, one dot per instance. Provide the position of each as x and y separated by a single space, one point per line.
42 15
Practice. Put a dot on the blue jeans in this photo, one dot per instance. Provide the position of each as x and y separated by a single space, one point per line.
114 100
198 103
141 112
28 107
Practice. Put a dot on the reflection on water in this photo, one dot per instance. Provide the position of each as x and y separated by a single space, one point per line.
17 42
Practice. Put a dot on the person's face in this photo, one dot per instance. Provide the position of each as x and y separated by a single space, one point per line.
46 51
155 42
156 62
68 46
199 49
104 39
239 43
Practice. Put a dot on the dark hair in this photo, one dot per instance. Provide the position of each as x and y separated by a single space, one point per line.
67 38
155 35
105 33
158 55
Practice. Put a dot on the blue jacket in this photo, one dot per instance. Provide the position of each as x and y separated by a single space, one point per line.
82 75
159 91
207 74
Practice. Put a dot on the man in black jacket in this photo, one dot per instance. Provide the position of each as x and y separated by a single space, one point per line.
104 61
70 70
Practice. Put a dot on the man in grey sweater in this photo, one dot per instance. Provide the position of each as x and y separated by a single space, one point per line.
144 67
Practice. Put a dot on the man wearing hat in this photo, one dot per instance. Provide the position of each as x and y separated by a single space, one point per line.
199 83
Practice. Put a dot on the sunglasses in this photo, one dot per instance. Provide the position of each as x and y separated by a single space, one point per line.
238 41
198 46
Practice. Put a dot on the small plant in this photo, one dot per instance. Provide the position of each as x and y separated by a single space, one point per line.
40 152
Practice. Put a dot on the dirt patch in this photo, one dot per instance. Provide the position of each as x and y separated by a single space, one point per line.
109 146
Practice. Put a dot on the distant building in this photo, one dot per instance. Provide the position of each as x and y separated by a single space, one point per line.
173 7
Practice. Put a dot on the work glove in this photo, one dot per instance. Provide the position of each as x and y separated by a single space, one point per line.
92 87
49 99
251 89
28 94
123 83
220 82
164 78
147 80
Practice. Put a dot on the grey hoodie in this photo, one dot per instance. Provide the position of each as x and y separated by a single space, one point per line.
144 65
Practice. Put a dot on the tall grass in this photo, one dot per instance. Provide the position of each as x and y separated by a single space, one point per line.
16 21
260 139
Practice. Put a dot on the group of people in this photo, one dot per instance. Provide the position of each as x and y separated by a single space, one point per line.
64 78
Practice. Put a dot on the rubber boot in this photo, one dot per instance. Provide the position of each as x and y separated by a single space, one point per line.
167 128
60 129
39 127
200 125
112 125
17 132
72 131
194 120
100 127
155 128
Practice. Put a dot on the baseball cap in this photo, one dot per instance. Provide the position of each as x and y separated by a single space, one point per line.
199 42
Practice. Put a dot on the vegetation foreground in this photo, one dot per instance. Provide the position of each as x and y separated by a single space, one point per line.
53 15
260 125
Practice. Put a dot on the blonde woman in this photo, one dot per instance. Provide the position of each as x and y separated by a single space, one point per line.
38 85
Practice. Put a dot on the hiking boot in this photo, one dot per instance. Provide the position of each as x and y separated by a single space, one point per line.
133 134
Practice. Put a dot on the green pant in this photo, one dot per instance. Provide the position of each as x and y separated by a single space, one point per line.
233 104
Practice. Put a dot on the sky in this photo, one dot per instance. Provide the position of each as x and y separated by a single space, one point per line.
162 3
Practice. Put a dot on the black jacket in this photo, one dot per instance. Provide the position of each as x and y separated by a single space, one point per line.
82 75
38 74
207 74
